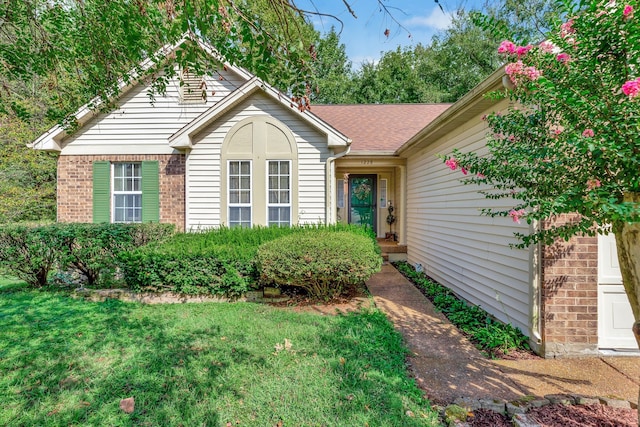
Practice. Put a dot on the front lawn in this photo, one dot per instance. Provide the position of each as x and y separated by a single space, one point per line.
70 362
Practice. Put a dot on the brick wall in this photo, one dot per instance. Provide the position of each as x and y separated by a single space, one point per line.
570 296
75 186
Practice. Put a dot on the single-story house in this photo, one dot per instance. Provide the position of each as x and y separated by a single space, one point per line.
229 149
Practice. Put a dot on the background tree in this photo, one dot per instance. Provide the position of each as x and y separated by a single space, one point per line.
332 71
568 147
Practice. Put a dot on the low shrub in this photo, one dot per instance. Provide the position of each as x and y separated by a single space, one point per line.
29 253
192 269
32 252
324 262
93 249
483 330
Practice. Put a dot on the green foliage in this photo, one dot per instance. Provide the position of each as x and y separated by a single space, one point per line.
68 361
27 177
324 263
32 252
486 332
92 249
29 253
568 144
221 261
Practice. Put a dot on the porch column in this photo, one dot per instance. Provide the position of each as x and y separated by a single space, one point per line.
402 205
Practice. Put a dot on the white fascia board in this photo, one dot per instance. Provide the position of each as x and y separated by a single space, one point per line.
183 138
50 140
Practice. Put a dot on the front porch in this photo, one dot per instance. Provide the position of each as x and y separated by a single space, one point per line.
392 251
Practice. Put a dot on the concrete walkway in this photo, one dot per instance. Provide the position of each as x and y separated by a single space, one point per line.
448 366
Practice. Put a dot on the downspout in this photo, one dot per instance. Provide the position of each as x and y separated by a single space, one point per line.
536 296
331 185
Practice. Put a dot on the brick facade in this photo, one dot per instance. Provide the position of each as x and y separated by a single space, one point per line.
75 186
570 296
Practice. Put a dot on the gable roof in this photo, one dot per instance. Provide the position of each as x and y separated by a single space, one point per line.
51 139
183 138
379 128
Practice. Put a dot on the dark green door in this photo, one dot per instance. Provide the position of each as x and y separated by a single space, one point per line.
362 200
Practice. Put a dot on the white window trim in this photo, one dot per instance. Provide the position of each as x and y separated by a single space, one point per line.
240 205
280 205
340 193
115 193
384 199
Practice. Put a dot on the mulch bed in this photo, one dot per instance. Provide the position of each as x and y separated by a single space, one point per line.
563 416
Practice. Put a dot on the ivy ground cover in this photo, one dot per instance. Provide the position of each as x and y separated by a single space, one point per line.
65 361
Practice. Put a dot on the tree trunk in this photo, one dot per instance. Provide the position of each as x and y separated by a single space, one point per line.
628 245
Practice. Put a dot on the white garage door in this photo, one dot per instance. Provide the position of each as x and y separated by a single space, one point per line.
614 311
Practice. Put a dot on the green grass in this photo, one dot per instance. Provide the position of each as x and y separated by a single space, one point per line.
69 362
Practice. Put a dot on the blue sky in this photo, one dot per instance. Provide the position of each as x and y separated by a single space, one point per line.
364 37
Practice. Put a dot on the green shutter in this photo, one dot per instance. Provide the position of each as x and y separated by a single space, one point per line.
150 192
101 192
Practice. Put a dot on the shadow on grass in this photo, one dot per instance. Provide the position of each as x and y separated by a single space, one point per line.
66 362
372 369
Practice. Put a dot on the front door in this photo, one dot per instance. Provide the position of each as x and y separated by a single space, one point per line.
362 200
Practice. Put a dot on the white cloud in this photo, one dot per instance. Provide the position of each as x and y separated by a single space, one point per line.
436 19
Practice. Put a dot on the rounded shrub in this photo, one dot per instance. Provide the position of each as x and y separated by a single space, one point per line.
322 262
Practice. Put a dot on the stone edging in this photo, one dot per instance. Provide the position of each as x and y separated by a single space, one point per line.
166 297
456 414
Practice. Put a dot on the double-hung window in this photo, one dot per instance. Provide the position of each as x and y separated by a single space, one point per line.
239 193
279 192
127 192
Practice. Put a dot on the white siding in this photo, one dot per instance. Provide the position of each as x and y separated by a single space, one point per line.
203 163
458 247
138 126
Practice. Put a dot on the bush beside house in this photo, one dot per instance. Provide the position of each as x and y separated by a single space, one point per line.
221 261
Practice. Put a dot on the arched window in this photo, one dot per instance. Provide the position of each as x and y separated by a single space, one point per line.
259 163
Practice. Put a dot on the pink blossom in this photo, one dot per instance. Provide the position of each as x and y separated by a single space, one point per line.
511 138
480 175
567 28
593 183
507 47
517 214
522 50
588 133
628 11
452 163
563 57
464 171
533 73
547 47
631 88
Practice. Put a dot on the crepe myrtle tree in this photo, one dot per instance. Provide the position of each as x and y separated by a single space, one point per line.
568 145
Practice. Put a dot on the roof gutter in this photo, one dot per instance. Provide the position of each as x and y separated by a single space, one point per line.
331 185
494 82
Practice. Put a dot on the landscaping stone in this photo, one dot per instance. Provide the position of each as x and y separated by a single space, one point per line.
517 407
468 403
271 292
454 414
521 420
496 405
615 403
585 400
562 399
538 403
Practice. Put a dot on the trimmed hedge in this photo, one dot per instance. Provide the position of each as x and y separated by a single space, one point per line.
220 261
322 262
31 253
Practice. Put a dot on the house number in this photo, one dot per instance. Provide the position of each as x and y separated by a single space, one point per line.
366 162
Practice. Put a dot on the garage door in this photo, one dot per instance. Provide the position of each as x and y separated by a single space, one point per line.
615 317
